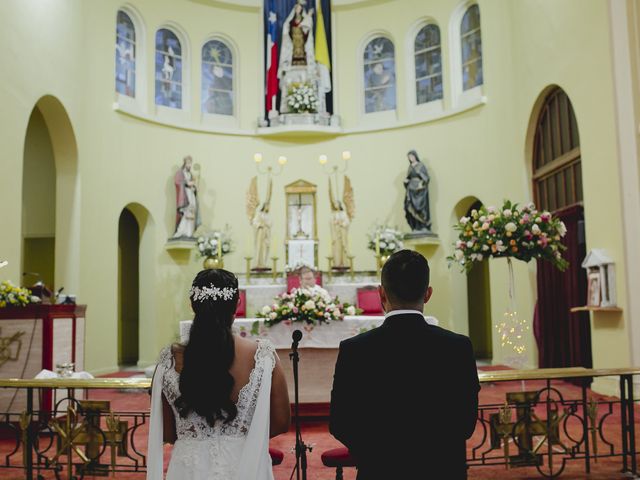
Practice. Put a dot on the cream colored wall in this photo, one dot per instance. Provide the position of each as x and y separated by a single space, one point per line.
481 152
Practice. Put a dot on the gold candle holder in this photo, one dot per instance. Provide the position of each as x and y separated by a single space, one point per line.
378 264
274 271
248 273
352 273
330 272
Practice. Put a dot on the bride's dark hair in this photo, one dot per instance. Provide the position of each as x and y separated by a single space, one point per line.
205 381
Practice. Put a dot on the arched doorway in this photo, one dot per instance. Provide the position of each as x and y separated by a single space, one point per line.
128 288
563 338
38 203
51 198
136 286
475 296
479 305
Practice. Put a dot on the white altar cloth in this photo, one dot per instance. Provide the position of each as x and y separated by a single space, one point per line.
325 335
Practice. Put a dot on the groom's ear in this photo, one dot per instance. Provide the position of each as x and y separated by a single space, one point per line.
428 294
383 296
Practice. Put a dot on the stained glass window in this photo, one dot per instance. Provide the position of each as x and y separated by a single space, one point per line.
471 43
125 55
428 64
217 78
379 76
168 69
557 168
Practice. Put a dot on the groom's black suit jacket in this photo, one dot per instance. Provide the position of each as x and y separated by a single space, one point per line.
405 399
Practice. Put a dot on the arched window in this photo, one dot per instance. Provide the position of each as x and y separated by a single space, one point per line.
557 174
125 55
471 48
379 76
168 69
217 78
428 64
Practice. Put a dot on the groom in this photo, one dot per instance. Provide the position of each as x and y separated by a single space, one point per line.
405 395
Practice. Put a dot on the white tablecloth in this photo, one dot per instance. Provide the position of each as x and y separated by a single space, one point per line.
326 335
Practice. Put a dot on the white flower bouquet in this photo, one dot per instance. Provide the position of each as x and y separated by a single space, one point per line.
521 233
214 244
306 305
385 240
302 98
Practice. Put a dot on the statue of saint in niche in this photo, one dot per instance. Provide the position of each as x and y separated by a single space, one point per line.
187 211
416 201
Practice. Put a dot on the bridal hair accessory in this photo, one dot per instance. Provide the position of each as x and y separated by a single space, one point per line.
200 294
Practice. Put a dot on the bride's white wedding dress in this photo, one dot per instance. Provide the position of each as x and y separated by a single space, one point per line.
238 450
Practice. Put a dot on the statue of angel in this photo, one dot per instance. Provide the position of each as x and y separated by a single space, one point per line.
342 212
260 221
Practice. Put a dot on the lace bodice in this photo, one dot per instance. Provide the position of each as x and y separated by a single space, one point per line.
196 427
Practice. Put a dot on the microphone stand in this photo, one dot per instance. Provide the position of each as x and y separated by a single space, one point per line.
301 448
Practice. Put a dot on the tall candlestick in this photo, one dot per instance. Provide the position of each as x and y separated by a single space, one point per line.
219 248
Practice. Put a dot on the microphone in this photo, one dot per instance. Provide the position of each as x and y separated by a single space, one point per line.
296 336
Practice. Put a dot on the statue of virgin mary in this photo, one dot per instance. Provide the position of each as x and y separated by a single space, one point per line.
297 49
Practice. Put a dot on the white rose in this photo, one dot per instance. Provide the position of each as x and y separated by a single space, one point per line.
469 244
273 315
266 310
464 220
510 227
310 305
459 254
392 246
336 312
485 248
562 229
351 310
507 213
535 229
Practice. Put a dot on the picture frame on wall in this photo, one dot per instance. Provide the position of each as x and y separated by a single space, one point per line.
593 294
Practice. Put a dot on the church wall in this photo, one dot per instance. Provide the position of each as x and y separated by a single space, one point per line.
479 151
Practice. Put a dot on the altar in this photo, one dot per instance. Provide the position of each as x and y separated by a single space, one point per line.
318 348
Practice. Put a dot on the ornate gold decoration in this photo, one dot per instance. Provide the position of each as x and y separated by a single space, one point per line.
5 348
526 428
592 412
211 263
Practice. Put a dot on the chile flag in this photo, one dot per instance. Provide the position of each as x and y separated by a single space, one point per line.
272 58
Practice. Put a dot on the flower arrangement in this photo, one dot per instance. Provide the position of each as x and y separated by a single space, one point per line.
302 98
13 296
385 240
214 244
521 233
312 306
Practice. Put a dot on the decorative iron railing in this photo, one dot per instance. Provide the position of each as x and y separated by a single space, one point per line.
538 427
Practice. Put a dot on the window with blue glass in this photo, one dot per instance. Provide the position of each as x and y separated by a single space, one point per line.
217 78
379 76
125 55
428 64
168 69
471 44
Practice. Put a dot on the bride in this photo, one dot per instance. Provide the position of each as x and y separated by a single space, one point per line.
219 398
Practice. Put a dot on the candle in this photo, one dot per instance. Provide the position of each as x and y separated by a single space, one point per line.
274 246
247 246
219 248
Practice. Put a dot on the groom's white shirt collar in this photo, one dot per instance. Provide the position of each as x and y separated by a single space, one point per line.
429 320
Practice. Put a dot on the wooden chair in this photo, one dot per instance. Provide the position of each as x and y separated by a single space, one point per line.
338 458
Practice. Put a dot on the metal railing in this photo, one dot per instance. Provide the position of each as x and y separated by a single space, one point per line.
538 427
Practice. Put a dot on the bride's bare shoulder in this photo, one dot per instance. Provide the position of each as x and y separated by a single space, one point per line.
245 345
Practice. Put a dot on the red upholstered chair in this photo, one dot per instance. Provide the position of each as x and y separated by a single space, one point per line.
293 280
276 456
369 301
241 311
338 458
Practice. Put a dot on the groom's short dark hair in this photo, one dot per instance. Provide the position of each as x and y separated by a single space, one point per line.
405 276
